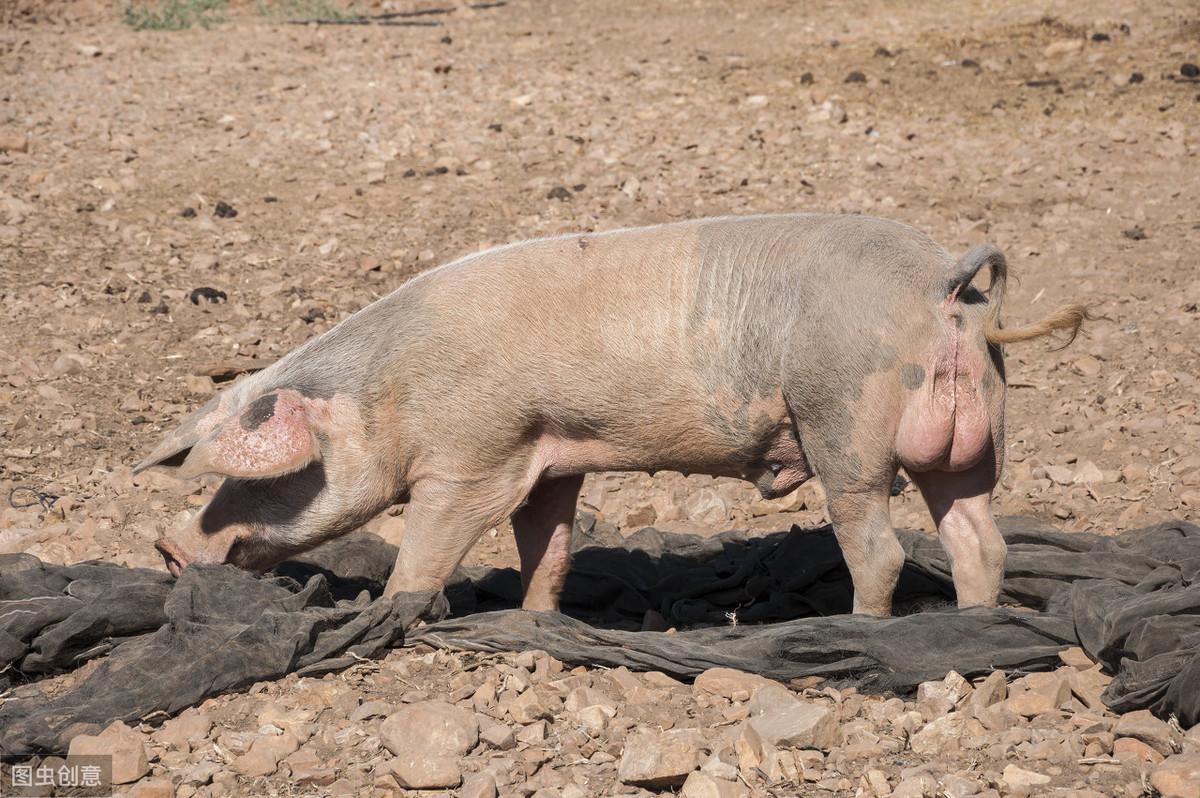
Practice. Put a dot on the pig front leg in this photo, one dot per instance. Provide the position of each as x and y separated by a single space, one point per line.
960 503
862 524
443 520
543 531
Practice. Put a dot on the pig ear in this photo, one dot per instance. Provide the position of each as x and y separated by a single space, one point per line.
269 437
173 448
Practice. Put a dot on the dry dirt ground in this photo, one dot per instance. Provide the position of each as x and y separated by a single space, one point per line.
357 156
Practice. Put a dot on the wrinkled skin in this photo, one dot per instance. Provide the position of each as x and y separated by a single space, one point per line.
769 348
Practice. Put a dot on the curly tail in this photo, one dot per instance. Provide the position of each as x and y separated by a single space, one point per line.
1067 317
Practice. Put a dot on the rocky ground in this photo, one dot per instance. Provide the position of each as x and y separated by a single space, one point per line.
175 206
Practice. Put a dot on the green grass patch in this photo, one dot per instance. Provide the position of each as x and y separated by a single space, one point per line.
296 10
174 14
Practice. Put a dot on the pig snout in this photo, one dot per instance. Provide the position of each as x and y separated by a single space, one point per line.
194 544
174 557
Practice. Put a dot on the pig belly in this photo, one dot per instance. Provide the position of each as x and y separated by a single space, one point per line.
946 425
777 465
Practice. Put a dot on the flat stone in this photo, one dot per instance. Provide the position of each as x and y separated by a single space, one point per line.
658 761
430 728
123 744
265 752
1075 658
1142 725
1021 781
784 720
993 689
425 772
1131 749
1178 776
529 707
1044 692
726 682
939 736
702 785
152 788
478 785
179 733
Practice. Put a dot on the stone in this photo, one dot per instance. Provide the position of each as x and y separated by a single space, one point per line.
1131 749
265 752
478 785
1075 658
920 785
939 736
499 736
953 688
1044 692
702 785
152 788
1088 686
784 720
123 744
706 506
13 143
752 751
992 690
181 732
583 697
429 772
1142 725
658 761
728 682
1177 776
432 728
1021 781
529 707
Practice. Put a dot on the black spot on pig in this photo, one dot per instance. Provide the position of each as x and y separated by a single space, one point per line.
258 412
913 376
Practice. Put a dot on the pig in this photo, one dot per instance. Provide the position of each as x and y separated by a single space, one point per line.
768 348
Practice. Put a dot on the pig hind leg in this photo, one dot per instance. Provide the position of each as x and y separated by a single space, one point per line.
862 524
960 503
443 520
543 531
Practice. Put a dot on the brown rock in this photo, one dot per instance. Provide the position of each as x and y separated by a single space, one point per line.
529 707
152 788
265 752
1075 658
1178 776
1044 692
179 733
499 736
993 689
1144 726
425 772
658 761
14 143
1019 781
123 744
940 736
1130 749
478 785
784 720
728 682
430 728
702 785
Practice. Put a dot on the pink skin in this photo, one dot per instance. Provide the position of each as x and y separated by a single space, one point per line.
483 391
947 440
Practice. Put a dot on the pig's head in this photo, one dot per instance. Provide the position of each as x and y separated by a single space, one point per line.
296 469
